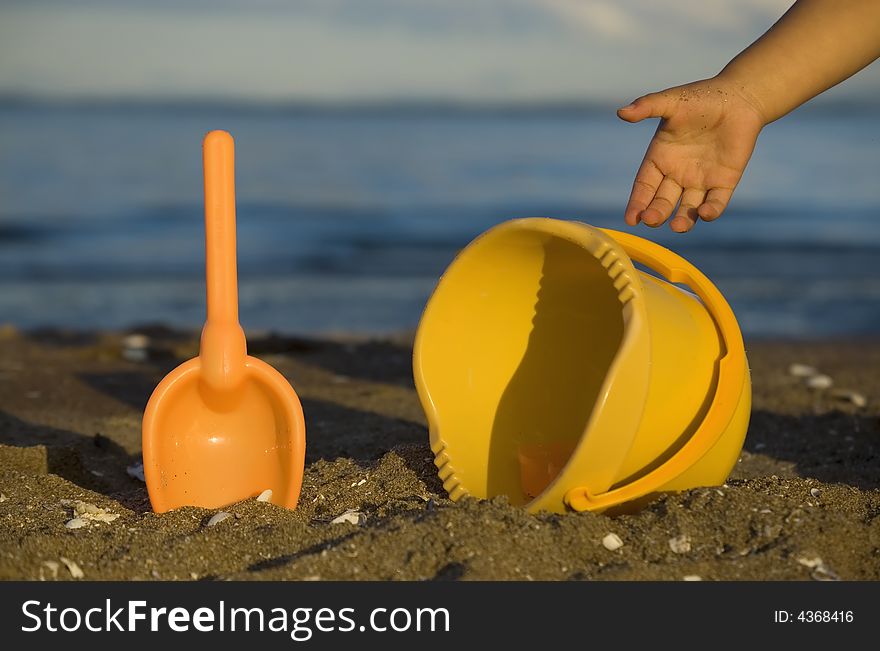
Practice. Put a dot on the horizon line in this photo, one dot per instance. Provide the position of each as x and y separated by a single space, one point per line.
389 105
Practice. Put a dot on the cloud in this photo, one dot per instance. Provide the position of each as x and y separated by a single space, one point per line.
602 18
661 19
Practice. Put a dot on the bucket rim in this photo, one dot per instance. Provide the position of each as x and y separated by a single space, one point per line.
616 418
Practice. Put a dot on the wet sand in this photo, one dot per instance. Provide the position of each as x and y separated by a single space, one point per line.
803 502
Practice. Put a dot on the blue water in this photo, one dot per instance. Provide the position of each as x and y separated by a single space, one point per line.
347 218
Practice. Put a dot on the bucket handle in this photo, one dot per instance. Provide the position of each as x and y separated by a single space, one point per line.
731 376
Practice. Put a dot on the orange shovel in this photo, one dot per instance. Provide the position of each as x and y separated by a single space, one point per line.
223 426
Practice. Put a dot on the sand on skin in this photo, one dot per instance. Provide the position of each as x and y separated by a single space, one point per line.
802 503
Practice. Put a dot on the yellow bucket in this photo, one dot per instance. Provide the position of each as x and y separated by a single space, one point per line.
552 371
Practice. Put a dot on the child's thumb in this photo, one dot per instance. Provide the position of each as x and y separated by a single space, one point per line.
655 105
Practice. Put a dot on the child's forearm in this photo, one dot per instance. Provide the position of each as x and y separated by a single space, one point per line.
815 45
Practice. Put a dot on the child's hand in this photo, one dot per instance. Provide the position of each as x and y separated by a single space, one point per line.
709 127
697 156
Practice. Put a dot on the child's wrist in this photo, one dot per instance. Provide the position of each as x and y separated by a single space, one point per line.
739 83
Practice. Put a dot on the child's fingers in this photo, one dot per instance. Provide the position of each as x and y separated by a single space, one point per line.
664 201
655 105
686 215
644 188
715 203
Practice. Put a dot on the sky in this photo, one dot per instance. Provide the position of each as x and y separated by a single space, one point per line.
376 50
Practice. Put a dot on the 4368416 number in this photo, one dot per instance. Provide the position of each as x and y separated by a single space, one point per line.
813 616
824 616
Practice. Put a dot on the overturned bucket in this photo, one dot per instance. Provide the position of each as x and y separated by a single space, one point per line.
553 371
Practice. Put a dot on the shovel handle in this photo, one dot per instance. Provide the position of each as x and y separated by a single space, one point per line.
220 268
223 349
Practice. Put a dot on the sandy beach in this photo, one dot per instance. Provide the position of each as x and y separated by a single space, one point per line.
802 503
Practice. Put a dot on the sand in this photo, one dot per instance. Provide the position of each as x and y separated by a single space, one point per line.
803 502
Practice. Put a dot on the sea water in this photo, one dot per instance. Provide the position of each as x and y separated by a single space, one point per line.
347 217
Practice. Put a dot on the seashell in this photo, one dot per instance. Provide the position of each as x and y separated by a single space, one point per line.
136 471
820 382
136 340
350 517
802 370
265 496
680 544
74 569
854 397
217 518
611 542
53 567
